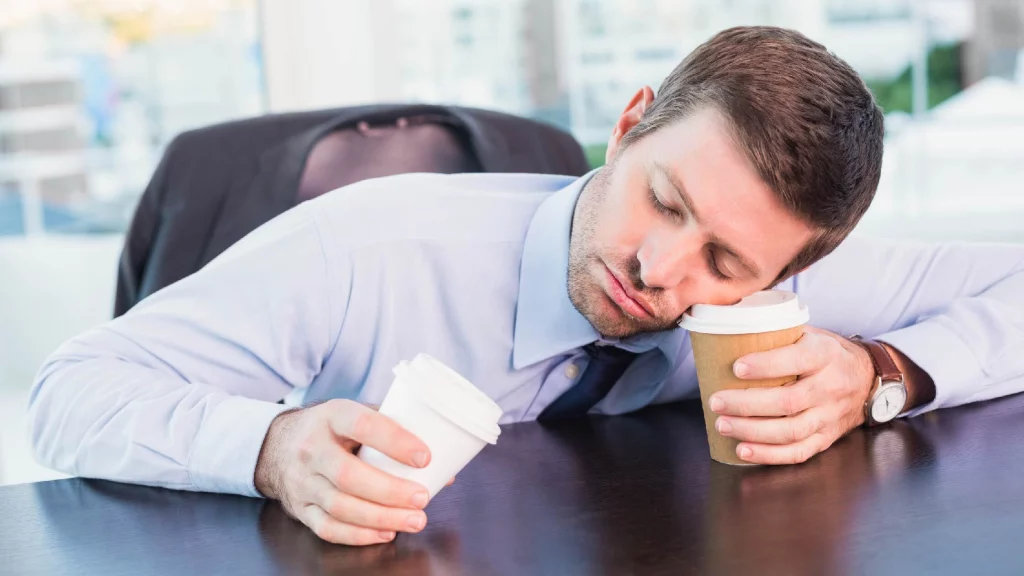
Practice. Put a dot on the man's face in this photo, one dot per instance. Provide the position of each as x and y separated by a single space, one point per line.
678 218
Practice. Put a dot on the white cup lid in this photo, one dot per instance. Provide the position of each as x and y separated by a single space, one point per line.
763 311
451 395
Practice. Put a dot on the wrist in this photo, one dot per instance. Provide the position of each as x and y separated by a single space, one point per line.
920 386
269 464
865 376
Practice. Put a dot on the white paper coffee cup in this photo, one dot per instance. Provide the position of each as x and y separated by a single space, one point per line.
444 410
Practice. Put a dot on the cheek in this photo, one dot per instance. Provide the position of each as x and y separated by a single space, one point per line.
608 237
624 223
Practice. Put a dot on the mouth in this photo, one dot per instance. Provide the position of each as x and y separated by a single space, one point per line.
626 298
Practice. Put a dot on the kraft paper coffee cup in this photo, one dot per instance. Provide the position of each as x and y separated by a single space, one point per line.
720 335
444 410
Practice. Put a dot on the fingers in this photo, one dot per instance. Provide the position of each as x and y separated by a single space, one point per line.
366 426
774 430
766 402
341 498
337 532
351 475
812 352
783 453
351 510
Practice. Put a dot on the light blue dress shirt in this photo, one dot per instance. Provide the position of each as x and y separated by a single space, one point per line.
325 299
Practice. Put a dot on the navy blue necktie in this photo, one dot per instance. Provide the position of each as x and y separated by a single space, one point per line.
607 363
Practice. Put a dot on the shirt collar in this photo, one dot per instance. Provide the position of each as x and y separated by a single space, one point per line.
547 323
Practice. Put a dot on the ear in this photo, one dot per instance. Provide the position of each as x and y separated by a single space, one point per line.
630 117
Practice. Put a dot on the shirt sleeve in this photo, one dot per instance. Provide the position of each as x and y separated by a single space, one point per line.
180 391
956 310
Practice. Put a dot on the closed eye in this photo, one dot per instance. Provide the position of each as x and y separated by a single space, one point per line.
661 207
713 266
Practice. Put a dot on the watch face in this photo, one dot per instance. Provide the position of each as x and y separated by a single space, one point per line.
889 402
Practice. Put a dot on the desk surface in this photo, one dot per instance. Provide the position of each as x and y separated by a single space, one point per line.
942 493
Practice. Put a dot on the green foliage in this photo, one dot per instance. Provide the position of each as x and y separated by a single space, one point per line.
944 80
595 154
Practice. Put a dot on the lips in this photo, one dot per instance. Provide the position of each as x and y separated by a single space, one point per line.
626 298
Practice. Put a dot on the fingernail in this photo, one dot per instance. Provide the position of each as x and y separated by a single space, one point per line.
420 459
416 522
419 499
746 452
741 369
386 535
724 427
716 404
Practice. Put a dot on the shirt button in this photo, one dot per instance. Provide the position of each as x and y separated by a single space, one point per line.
572 371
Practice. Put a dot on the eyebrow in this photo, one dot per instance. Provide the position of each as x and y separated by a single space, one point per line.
677 185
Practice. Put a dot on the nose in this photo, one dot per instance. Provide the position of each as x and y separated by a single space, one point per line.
666 259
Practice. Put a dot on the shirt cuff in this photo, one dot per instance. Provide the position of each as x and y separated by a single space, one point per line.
944 356
228 445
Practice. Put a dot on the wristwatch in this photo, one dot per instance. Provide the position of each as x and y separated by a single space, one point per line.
888 395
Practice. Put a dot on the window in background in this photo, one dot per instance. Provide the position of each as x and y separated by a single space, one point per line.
92 90
954 103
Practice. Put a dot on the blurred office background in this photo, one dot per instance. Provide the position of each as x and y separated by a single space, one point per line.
91 91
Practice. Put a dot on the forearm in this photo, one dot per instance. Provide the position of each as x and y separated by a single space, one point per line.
180 391
954 313
106 418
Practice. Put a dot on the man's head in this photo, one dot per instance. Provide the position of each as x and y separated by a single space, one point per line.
758 156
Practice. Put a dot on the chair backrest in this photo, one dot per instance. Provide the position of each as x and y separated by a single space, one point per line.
215 185
423 143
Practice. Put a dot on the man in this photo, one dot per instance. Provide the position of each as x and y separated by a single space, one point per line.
756 159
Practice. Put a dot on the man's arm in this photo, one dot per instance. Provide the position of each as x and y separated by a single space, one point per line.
956 311
952 314
180 391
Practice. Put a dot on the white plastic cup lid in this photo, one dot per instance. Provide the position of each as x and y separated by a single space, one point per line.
452 396
764 311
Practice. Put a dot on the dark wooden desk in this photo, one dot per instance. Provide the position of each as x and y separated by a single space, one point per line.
943 493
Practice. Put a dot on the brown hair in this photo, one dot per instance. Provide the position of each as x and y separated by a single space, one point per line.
806 120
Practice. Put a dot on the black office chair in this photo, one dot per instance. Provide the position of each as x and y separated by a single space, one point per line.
215 185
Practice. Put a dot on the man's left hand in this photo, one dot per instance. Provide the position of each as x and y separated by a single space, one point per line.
790 424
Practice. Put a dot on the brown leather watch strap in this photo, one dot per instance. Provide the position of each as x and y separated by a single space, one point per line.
885 367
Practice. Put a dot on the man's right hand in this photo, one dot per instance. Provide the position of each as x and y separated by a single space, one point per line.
308 462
